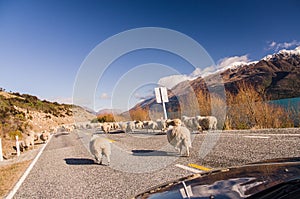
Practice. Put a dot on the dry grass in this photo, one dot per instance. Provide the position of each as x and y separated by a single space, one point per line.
248 110
10 174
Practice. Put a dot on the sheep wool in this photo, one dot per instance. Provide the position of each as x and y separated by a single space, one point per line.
100 146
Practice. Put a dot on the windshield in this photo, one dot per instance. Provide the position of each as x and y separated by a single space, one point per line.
109 99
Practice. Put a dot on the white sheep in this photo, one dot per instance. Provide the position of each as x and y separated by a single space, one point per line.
100 146
116 125
28 139
179 136
161 124
139 124
130 126
45 136
106 127
123 126
190 122
151 125
207 122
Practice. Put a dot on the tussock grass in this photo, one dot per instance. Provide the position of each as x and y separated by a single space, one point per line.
10 174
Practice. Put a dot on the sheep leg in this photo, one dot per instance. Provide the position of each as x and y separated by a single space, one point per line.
98 158
187 151
106 152
185 145
108 160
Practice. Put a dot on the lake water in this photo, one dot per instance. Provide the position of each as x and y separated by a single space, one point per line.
292 104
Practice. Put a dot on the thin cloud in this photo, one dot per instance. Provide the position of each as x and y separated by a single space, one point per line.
223 64
229 61
171 81
138 96
62 100
278 46
104 96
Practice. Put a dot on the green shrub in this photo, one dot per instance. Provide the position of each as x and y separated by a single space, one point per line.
95 120
13 134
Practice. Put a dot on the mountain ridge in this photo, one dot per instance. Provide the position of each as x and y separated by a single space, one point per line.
277 76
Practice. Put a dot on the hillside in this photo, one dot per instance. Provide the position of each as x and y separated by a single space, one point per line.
20 113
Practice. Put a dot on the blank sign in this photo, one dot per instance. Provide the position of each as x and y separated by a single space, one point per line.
161 94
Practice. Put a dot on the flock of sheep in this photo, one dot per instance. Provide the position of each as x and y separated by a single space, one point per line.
177 131
29 138
198 123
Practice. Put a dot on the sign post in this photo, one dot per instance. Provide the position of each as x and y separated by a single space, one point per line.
1 154
161 95
17 146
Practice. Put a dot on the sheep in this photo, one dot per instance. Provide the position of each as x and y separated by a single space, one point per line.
139 124
53 129
28 140
116 125
151 125
100 146
161 124
179 136
123 126
130 126
88 126
172 123
190 122
207 122
36 136
106 127
45 136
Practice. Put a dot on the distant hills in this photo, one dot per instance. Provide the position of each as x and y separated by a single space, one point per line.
277 76
108 111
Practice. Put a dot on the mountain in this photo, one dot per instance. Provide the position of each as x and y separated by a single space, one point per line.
277 75
108 111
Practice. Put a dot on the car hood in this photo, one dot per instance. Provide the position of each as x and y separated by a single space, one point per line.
268 179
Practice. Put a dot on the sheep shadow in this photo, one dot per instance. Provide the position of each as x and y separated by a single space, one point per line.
152 153
79 161
111 132
61 134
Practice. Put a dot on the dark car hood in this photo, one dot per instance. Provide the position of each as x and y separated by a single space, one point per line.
269 179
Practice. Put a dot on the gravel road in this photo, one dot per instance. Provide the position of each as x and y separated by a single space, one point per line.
140 160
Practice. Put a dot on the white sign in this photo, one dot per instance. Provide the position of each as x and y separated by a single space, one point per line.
161 94
164 94
157 95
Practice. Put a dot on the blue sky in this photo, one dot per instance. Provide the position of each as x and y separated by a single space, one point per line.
44 43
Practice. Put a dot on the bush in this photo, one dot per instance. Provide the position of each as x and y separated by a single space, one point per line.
247 109
13 134
107 117
95 120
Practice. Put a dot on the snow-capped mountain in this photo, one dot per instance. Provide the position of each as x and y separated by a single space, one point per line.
278 75
283 53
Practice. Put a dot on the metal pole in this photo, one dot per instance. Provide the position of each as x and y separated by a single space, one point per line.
165 111
1 154
163 103
17 146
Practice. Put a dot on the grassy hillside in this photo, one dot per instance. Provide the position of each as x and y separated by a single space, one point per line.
20 113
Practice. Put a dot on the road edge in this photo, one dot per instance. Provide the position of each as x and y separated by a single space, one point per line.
26 173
